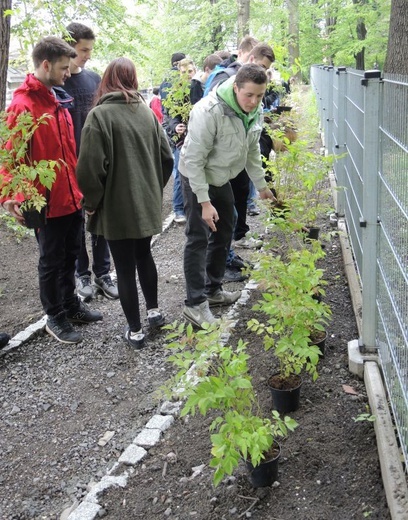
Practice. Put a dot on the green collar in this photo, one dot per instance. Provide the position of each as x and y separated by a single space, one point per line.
226 92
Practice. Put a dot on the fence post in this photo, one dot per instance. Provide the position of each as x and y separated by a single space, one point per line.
369 220
340 146
329 111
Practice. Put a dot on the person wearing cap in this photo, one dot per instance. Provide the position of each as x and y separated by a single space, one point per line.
167 82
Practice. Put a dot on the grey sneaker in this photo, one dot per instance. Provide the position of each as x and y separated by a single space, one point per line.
248 243
155 318
199 314
222 297
232 274
84 287
107 286
59 327
135 339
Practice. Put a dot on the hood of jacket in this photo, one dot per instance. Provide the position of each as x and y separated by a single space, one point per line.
225 91
119 98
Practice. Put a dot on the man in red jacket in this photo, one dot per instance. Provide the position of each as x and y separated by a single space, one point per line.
59 239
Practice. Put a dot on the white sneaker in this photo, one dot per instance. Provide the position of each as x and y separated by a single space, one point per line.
247 242
180 218
199 314
135 339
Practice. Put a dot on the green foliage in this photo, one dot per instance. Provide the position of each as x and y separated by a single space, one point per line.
299 177
149 32
362 417
214 377
177 102
292 311
244 436
21 175
17 229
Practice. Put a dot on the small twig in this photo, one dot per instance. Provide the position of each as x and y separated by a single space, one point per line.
249 508
164 468
248 498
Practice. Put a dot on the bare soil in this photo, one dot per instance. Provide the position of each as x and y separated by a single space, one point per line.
57 401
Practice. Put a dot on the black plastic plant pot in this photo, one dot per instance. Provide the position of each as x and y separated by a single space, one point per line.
319 340
281 109
266 473
285 394
313 233
35 219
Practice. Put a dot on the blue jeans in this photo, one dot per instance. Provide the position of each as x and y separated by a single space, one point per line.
252 194
178 203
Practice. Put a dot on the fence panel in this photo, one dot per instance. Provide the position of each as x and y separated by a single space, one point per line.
369 122
392 298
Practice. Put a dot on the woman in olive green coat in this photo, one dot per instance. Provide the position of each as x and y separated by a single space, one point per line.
124 163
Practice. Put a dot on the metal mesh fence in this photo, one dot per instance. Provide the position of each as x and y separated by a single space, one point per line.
365 115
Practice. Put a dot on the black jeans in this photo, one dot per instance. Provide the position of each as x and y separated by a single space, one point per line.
59 243
129 255
100 255
205 253
240 187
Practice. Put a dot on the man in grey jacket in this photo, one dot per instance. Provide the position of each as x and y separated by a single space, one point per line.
222 140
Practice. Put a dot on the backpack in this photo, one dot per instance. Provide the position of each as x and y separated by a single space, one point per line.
218 69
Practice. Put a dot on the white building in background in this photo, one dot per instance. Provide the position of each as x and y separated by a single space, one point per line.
15 78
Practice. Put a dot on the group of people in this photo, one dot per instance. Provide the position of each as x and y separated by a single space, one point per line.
116 162
216 69
103 153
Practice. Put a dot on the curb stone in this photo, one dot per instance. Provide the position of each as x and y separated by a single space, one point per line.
147 438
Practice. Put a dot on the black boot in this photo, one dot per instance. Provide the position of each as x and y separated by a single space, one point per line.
4 339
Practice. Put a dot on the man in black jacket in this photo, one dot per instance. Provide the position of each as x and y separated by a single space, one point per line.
82 85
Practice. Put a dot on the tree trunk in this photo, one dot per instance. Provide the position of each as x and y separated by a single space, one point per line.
243 18
293 11
4 49
216 33
361 35
397 51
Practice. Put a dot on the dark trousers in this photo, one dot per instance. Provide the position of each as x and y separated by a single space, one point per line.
129 255
205 252
59 243
240 187
100 256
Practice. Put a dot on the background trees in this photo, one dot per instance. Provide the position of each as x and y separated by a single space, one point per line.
353 33
397 51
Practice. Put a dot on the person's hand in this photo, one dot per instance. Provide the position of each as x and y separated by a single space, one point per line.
13 207
267 194
181 128
210 215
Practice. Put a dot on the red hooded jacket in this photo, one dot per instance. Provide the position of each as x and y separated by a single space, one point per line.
52 141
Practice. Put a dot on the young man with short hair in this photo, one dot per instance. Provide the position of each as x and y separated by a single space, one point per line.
222 140
82 85
231 65
59 239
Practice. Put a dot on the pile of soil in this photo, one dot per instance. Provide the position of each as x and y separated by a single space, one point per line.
57 402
